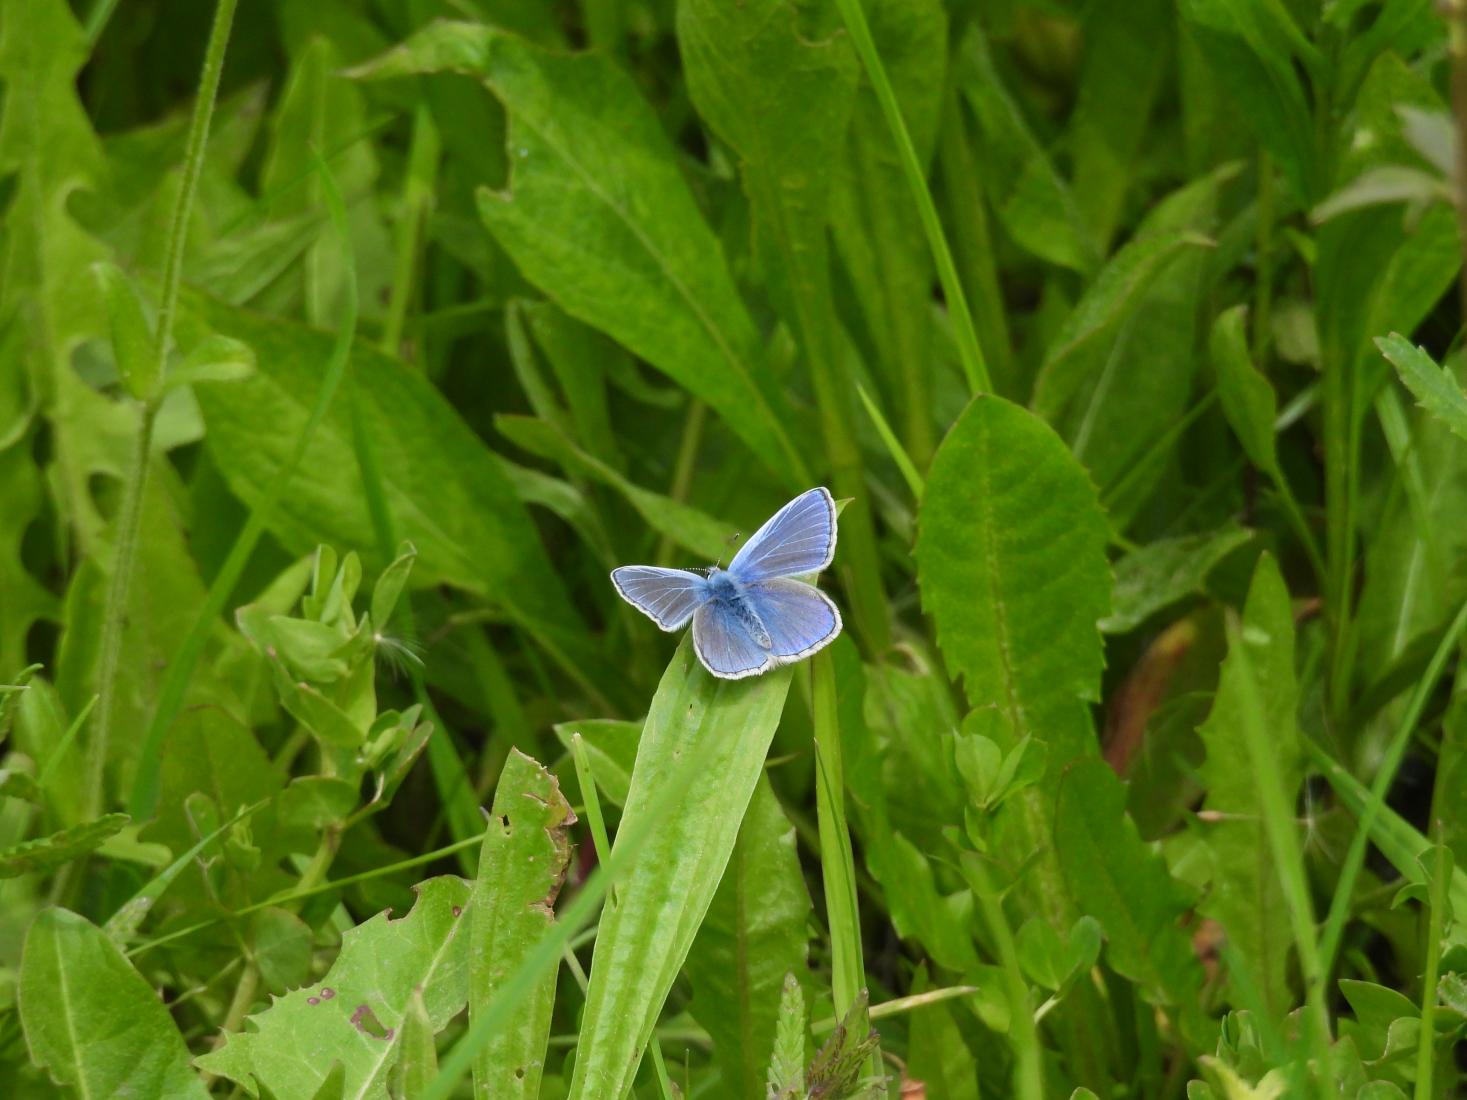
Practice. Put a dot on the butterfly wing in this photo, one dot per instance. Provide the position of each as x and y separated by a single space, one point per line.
724 645
666 596
799 617
798 539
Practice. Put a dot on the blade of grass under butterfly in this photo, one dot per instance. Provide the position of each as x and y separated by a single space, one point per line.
728 725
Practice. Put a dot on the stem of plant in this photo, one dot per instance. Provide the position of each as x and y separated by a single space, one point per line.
975 367
130 515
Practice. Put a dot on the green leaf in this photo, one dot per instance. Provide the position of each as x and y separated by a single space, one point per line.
92 1021
599 217
445 491
1077 351
1246 897
1159 574
611 747
132 334
1257 73
357 1011
43 853
641 943
936 1052
1031 200
1127 45
1435 388
418 1064
1011 560
213 359
390 584
692 529
787 1062
1124 884
752 937
1247 397
282 949
521 866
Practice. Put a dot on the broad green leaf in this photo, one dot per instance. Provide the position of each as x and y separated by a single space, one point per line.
1159 574
44 853
48 305
1011 559
1115 878
1078 350
1246 896
752 937
1435 388
1032 202
599 217
1247 397
446 492
92 1021
1011 565
521 866
356 1012
642 942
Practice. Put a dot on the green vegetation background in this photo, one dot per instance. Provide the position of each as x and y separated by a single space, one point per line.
346 346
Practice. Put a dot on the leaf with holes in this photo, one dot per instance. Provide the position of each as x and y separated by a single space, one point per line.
356 1012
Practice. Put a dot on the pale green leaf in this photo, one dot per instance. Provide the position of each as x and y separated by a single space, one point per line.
521 866
92 1021
599 217
641 943
43 853
356 1012
1435 388
1123 884
1247 397
753 936
1011 559
1159 574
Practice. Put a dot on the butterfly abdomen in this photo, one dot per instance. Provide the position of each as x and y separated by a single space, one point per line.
729 595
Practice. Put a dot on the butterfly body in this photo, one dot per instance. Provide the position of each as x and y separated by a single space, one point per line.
730 598
752 616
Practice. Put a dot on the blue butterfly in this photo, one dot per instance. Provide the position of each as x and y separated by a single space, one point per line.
750 617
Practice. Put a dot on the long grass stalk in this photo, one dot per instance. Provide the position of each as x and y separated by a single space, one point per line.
144 797
129 517
970 352
1340 904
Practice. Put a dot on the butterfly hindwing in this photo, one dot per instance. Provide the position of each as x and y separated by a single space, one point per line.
666 596
798 539
799 618
725 647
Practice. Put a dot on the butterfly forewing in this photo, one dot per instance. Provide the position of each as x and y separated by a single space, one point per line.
798 539
666 596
